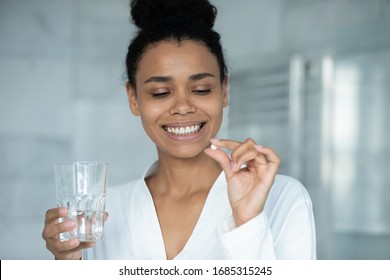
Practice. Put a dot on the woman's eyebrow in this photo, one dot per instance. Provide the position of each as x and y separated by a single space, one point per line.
164 79
200 76
158 79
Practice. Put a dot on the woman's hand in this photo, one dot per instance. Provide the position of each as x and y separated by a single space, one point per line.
66 250
248 187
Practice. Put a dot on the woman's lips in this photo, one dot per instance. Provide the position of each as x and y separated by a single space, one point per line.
183 130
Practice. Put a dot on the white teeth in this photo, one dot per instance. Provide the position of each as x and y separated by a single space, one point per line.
183 130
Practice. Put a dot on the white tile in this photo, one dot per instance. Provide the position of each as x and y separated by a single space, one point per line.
27 187
24 197
293 4
105 10
98 79
39 26
104 28
21 240
31 156
35 95
104 39
248 28
317 24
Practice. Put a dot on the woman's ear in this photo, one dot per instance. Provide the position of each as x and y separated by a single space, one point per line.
225 92
132 98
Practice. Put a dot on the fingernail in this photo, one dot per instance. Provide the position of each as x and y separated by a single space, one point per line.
63 211
69 224
74 242
214 139
233 166
259 160
259 146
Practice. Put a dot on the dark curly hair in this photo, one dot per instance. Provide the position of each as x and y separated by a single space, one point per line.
160 20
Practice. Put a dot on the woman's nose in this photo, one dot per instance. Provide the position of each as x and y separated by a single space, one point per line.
182 105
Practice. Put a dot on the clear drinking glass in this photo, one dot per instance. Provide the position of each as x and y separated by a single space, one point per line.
81 188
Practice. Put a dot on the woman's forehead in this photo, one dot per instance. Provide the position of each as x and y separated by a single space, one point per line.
163 49
171 56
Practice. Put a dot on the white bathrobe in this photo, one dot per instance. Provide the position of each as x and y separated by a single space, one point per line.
284 230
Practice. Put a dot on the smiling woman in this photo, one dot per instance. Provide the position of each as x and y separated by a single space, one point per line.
195 201
179 96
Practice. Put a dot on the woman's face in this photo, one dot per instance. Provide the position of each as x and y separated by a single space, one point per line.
179 97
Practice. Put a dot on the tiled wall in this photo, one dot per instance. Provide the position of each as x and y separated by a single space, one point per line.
342 30
62 98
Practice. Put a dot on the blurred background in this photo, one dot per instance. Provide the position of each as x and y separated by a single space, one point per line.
310 78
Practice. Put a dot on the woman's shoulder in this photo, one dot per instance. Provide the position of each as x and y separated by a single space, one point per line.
120 196
134 188
125 188
288 189
289 183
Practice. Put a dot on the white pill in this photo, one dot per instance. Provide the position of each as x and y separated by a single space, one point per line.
213 147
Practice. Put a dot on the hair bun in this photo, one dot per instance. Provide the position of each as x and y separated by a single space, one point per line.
155 14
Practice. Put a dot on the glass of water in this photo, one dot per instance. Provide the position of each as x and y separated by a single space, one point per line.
81 188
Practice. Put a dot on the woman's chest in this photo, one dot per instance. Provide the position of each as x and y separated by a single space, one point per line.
178 219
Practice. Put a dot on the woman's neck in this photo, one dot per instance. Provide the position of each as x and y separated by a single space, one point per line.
184 177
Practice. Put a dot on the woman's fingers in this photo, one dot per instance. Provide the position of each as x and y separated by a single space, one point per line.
70 246
247 188
53 225
57 246
272 158
225 143
105 216
52 215
222 158
54 230
70 250
243 152
56 223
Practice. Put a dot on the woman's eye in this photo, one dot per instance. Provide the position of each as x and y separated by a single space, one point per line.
160 94
202 91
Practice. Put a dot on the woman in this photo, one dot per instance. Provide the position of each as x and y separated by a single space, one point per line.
196 201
